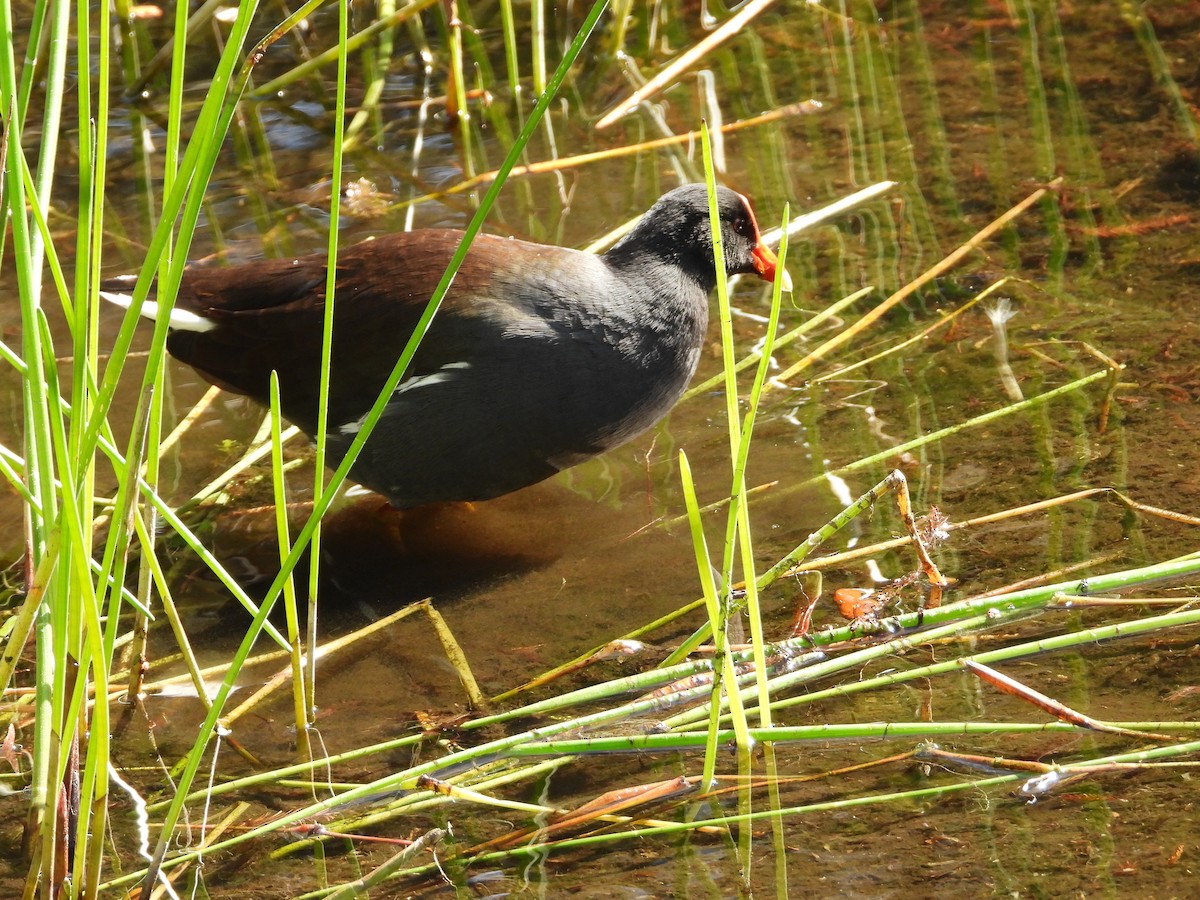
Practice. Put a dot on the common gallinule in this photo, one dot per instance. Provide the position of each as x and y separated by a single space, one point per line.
539 358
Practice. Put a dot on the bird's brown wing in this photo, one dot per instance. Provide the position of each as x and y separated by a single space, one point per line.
269 316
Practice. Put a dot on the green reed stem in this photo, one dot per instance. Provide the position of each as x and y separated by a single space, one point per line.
300 705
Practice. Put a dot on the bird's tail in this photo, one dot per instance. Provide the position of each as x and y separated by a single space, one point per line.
181 319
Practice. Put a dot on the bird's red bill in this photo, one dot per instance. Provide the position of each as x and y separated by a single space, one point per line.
765 261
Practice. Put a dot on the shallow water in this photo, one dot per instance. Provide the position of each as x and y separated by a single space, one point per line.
970 113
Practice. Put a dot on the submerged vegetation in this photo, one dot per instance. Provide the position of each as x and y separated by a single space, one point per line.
1038 515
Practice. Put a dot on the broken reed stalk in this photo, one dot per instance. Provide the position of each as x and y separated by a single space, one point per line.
725 31
949 262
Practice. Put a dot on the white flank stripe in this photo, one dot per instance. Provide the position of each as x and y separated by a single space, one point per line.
445 373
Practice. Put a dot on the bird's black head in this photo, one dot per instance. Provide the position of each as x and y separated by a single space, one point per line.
676 230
